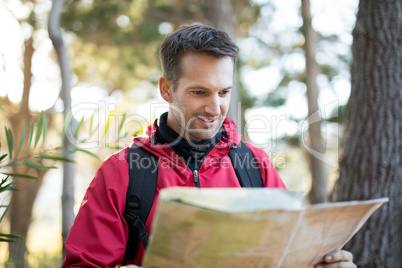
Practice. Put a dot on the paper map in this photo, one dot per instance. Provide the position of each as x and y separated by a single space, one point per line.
248 227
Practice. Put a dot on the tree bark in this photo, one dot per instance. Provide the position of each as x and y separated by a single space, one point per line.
220 15
23 200
370 164
68 168
319 182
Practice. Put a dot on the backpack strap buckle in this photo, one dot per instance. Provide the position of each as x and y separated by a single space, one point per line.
142 232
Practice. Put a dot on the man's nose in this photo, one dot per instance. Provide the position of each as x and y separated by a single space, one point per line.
212 107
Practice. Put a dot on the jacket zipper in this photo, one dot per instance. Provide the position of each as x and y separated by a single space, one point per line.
196 180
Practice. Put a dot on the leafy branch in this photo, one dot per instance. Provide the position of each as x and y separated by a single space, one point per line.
35 152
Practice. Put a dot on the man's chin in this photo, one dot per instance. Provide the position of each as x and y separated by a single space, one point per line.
201 135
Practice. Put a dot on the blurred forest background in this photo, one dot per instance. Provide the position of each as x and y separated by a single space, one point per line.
294 78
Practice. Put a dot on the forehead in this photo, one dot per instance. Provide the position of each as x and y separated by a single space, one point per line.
200 64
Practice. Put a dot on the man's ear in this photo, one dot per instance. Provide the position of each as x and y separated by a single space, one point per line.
166 89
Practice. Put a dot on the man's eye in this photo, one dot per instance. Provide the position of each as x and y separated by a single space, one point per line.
225 92
198 92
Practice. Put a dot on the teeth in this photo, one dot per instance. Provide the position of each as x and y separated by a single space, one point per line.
207 120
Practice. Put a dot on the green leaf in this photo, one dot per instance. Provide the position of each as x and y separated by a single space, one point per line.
6 240
107 124
30 136
66 126
114 147
4 213
8 237
78 127
91 123
13 164
2 157
10 142
39 128
55 158
20 175
37 165
87 152
22 137
6 187
123 137
121 124
3 180
93 131
44 130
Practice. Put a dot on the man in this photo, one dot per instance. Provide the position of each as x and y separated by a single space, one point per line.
198 66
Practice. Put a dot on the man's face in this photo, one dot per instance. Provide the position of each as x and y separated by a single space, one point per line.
200 101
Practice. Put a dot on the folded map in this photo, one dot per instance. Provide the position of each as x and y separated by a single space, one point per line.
249 227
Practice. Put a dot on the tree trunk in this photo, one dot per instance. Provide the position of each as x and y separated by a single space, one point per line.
23 200
21 213
370 164
315 144
68 168
220 15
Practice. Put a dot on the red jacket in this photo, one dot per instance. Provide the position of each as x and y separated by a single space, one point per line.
99 233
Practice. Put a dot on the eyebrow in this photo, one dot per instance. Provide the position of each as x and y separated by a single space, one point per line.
206 88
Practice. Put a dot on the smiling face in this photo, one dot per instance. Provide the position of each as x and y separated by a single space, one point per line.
200 100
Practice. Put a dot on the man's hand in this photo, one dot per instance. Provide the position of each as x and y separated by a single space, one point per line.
338 259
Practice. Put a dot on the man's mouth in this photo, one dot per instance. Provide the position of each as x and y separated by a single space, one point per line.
207 120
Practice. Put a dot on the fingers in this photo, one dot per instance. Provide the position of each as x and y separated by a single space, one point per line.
338 259
336 265
338 256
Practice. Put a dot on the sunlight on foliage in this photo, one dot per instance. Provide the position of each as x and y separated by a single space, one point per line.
36 153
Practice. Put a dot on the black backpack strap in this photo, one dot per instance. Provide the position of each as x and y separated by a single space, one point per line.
143 175
245 166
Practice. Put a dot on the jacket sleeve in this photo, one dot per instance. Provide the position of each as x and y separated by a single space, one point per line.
269 175
99 233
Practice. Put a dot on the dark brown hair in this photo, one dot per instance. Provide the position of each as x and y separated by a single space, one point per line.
196 38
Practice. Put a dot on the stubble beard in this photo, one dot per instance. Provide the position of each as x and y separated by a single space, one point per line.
190 132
